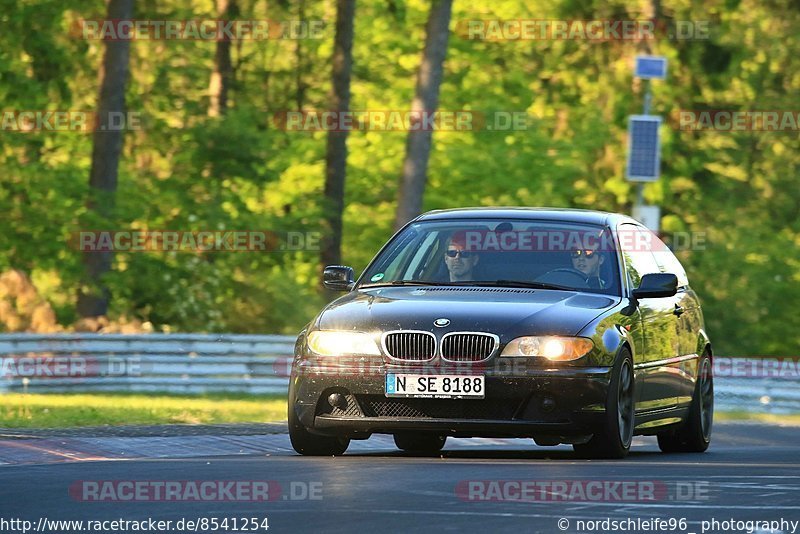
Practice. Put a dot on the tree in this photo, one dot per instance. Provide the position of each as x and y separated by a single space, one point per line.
222 75
93 294
735 191
426 100
336 150
300 84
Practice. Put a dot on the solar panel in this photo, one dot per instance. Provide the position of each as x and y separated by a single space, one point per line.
651 67
644 148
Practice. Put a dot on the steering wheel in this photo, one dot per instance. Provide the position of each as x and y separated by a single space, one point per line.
584 280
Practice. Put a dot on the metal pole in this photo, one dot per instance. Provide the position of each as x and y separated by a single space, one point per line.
640 186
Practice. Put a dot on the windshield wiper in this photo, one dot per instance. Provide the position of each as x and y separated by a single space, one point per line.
414 283
522 283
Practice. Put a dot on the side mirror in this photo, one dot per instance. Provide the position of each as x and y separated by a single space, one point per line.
656 285
338 278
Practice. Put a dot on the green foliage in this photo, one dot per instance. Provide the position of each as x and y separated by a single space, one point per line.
186 171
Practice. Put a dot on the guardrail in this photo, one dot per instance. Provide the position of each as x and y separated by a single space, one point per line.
757 395
177 363
198 363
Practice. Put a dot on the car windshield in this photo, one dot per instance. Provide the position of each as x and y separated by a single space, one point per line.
499 252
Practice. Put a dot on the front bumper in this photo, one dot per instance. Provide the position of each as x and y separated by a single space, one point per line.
519 401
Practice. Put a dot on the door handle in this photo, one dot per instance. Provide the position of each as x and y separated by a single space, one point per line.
678 310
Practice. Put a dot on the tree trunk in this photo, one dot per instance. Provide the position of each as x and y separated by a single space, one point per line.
300 85
652 12
93 295
336 152
426 99
222 76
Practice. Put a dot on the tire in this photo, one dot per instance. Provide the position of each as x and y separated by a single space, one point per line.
420 443
695 433
614 439
308 444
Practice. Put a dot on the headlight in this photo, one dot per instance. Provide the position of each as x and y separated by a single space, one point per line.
336 343
555 348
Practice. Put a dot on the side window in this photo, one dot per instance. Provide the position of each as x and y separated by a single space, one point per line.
426 250
396 256
668 262
636 246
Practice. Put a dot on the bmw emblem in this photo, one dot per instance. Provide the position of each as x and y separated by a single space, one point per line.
441 323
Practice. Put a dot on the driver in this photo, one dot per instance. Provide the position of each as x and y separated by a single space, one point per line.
588 261
460 262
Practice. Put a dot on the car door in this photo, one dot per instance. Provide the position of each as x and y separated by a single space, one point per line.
657 386
689 321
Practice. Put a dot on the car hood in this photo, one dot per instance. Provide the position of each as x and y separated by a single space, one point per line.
507 312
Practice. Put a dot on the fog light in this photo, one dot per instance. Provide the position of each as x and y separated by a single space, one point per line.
548 404
337 400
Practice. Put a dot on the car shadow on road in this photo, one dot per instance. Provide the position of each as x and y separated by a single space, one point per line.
504 454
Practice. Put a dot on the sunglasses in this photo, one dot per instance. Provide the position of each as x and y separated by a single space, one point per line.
463 253
585 253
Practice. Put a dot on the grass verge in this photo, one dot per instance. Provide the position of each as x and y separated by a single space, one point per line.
55 410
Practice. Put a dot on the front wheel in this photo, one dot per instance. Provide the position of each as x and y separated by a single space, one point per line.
614 439
695 433
308 444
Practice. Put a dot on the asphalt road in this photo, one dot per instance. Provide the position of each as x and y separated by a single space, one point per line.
750 473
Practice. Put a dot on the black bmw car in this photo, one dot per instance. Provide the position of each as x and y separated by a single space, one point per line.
564 326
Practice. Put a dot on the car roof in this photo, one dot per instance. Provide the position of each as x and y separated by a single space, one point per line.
548 214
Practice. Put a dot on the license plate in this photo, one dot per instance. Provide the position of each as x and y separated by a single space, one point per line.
435 386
